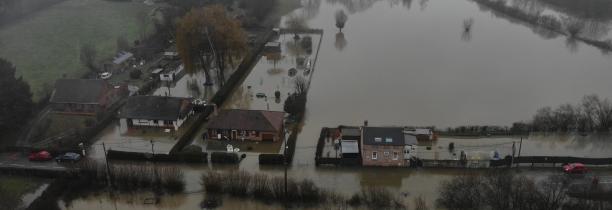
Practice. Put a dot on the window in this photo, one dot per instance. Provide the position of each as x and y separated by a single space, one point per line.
388 140
386 153
378 139
395 156
374 155
154 121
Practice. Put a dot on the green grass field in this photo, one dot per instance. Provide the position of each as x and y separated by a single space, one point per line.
18 185
45 45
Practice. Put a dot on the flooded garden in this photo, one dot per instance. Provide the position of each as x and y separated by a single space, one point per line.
412 62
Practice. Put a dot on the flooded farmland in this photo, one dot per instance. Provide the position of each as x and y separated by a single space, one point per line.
410 63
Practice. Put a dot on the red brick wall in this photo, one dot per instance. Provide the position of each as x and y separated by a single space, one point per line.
382 160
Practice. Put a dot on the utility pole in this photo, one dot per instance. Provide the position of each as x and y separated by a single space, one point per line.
513 151
519 152
285 163
108 172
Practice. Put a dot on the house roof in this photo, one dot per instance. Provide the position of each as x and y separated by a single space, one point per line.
79 91
351 131
410 139
253 120
349 146
383 136
155 107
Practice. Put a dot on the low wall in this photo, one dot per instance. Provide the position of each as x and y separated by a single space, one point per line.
552 159
176 157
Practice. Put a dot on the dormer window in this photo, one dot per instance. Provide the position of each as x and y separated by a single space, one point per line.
378 139
388 140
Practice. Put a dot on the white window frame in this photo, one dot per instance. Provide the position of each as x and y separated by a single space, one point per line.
395 156
378 139
386 153
374 155
389 140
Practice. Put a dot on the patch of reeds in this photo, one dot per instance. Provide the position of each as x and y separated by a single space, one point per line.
133 177
267 189
375 197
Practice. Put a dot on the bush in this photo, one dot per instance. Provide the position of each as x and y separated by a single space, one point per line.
224 157
212 182
135 74
264 188
271 159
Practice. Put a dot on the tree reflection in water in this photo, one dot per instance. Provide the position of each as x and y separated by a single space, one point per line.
340 42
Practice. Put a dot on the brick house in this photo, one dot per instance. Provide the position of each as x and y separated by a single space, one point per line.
83 96
383 146
254 125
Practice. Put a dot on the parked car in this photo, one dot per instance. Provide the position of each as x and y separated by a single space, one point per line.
68 157
106 75
40 156
575 168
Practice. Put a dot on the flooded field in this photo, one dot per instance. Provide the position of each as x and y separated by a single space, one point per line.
410 63
275 72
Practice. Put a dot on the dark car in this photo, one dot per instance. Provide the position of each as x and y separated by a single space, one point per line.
40 156
68 157
575 168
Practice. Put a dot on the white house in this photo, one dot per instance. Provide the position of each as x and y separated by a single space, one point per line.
155 111
169 75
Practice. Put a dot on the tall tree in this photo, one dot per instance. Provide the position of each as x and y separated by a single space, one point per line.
15 98
209 32
88 57
341 19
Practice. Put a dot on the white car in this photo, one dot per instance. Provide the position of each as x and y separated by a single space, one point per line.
106 75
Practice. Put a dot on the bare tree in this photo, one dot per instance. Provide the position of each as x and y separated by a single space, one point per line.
544 119
300 85
565 117
88 57
341 19
462 192
122 44
420 204
143 19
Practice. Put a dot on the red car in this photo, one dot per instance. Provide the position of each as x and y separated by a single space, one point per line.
40 156
575 168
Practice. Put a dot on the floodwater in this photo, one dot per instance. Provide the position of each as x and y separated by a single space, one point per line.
409 62
275 72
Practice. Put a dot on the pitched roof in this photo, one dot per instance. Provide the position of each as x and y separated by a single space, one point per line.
80 91
410 139
383 136
156 107
253 120
351 131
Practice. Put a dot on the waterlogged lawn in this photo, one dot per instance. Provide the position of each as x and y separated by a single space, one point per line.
18 185
45 45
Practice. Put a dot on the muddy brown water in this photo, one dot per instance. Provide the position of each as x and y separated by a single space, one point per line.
410 63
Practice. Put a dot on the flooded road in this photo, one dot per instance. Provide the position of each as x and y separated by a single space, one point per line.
410 63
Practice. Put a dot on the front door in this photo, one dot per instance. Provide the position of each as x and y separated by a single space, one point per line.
234 134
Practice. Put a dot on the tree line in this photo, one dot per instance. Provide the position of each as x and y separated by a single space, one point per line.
15 100
592 114
503 190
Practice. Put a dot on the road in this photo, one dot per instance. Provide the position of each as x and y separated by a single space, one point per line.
19 160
